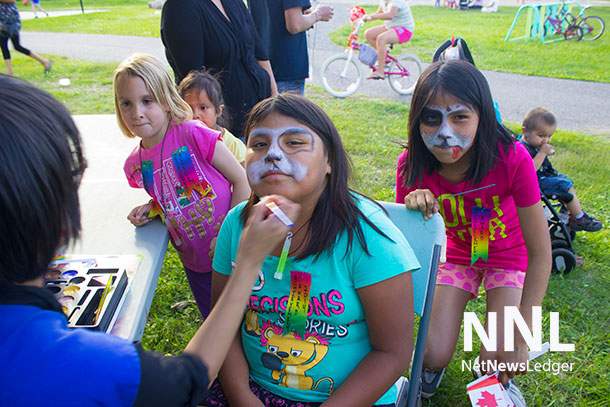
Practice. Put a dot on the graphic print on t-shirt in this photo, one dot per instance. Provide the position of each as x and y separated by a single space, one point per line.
454 215
290 354
186 196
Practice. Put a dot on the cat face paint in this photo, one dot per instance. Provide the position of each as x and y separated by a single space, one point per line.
275 149
448 128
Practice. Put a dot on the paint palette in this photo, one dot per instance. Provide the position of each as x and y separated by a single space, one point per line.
88 296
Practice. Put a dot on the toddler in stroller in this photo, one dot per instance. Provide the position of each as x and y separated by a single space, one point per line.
538 127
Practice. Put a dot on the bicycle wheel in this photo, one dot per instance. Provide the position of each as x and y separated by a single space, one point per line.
403 74
592 28
573 32
341 76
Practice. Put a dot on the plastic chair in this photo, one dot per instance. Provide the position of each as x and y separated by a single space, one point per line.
427 239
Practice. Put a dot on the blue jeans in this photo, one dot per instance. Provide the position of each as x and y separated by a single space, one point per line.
297 87
555 185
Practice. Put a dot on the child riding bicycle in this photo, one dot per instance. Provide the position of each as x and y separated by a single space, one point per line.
398 29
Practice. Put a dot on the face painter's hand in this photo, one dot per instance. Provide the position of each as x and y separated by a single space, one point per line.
422 200
263 232
139 215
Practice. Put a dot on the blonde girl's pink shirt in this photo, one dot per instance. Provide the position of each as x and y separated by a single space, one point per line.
516 185
195 195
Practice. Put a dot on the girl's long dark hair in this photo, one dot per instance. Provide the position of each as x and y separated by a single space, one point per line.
198 80
464 81
337 210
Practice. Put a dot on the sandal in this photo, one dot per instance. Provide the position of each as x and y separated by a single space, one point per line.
374 76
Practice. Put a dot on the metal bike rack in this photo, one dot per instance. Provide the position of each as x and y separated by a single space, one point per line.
536 17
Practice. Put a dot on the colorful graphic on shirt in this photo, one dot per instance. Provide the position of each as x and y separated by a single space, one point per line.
148 181
454 214
480 234
290 356
188 175
298 302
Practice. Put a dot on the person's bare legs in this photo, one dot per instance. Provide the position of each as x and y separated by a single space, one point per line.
497 299
372 33
45 62
574 205
33 9
9 67
383 39
445 322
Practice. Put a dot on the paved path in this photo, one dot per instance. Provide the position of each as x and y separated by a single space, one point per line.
579 105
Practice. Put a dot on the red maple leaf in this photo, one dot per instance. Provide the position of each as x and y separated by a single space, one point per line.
488 400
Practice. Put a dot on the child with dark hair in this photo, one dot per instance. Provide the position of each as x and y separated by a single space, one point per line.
41 166
539 124
460 161
322 324
202 91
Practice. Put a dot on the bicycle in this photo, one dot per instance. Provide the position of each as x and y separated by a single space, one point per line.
342 74
592 26
561 26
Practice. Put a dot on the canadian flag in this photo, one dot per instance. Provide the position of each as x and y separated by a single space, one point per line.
487 391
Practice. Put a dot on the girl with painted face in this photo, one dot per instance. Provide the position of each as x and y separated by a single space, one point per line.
321 325
462 163
191 176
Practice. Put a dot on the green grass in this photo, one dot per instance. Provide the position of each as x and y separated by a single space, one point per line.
120 18
485 33
90 90
581 297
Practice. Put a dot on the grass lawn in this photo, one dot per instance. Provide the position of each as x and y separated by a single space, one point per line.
485 33
581 298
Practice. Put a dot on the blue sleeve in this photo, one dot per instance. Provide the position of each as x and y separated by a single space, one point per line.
305 4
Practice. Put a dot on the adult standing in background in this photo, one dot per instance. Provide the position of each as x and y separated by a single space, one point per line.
10 25
220 36
260 15
288 43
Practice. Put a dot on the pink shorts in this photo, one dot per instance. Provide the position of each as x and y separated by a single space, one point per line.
468 278
404 35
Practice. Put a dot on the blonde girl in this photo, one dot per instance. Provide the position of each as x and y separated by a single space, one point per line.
192 178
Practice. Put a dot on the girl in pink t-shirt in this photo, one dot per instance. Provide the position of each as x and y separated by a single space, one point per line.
182 165
464 164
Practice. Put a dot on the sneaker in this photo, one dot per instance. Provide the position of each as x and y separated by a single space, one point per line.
430 380
515 395
586 223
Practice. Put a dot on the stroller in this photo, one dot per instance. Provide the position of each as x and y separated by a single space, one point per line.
564 258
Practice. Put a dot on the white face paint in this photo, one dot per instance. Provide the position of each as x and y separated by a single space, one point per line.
278 144
445 137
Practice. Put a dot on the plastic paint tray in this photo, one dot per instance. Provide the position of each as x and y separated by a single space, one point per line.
79 291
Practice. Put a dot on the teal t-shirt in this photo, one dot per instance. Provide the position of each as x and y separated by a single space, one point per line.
309 365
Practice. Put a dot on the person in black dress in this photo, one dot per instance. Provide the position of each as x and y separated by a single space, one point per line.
220 36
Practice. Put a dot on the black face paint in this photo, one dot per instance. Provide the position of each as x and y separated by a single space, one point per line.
431 117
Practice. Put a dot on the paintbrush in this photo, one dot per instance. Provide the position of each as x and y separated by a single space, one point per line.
466 192
103 299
